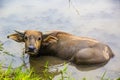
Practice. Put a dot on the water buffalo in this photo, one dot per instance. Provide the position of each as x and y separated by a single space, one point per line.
80 50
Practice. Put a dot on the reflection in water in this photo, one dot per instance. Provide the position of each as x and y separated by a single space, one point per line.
88 67
55 65
39 64
53 62
97 18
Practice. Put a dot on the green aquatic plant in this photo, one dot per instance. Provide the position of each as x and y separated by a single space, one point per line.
102 78
118 78
84 78
46 74
64 75
18 74
1 47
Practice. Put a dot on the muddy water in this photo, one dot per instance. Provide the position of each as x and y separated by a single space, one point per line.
99 19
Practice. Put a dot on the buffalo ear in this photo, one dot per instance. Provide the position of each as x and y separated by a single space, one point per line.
18 36
50 39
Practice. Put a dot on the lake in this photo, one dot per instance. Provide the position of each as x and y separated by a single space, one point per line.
99 19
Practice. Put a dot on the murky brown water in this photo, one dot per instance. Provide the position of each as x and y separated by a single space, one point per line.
99 19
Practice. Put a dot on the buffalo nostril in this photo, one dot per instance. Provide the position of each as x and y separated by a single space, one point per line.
31 48
8 36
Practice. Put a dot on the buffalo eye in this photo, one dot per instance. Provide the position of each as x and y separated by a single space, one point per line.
25 37
39 38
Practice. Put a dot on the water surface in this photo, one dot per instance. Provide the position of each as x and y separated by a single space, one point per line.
99 19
